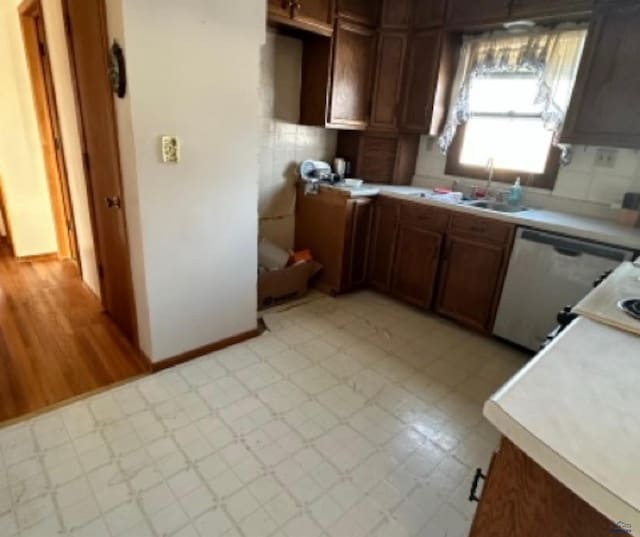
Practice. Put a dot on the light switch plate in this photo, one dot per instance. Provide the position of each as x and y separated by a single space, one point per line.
170 149
606 158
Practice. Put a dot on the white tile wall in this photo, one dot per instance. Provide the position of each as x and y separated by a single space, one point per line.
284 143
582 187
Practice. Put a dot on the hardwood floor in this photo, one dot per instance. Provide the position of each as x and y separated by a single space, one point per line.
55 342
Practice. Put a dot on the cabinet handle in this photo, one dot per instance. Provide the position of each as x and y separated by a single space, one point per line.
473 496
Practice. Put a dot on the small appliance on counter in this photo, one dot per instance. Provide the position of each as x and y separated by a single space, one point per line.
314 172
629 215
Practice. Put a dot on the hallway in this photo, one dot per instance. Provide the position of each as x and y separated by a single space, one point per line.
55 343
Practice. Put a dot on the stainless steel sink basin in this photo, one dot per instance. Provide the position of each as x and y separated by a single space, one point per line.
497 206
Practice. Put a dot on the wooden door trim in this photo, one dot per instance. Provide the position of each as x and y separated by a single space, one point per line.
44 98
5 217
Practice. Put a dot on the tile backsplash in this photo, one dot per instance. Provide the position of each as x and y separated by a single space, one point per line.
284 143
582 186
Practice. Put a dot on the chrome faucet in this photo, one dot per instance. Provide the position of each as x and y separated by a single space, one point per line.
491 164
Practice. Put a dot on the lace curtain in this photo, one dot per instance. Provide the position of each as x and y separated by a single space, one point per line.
553 56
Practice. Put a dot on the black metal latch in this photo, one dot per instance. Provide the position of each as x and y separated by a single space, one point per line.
473 496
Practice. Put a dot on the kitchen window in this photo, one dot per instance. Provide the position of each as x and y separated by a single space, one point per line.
510 97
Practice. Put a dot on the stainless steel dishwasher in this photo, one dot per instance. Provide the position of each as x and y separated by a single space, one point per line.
546 273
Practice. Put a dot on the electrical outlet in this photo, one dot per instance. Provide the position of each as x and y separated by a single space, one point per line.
606 158
170 149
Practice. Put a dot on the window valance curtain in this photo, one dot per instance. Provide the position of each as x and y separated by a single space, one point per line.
553 56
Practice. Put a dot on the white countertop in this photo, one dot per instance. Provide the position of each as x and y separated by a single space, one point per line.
568 224
575 410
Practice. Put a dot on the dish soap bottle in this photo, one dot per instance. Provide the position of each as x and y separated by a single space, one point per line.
515 194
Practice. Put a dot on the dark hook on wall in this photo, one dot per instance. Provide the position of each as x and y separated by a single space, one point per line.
117 70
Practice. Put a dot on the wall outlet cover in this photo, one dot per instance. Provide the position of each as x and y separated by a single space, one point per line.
170 149
606 158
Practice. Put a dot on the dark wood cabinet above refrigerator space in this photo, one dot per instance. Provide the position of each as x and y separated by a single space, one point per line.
308 15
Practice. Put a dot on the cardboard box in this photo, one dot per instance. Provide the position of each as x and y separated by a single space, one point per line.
278 286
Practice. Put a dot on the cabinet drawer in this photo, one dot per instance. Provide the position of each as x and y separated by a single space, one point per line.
481 229
424 218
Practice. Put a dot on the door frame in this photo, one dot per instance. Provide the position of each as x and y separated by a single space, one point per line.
44 98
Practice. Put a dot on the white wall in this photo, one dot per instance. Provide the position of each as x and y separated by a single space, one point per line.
21 158
581 188
193 70
71 145
284 143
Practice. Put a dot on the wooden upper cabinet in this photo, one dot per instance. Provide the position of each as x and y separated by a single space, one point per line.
396 14
363 11
533 8
428 13
387 87
314 13
279 8
383 243
353 62
604 109
421 80
469 12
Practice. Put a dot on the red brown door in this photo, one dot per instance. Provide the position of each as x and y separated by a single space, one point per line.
383 244
385 110
89 54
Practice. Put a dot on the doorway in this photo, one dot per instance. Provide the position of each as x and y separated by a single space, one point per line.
37 53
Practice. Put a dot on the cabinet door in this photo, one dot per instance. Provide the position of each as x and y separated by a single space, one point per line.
383 244
605 110
421 80
396 14
530 8
364 11
464 12
314 13
428 13
416 265
358 243
279 8
387 86
353 61
471 281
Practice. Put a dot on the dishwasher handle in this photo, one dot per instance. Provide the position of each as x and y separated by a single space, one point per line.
574 247
567 252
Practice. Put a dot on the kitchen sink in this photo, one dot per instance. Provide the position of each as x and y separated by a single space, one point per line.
497 206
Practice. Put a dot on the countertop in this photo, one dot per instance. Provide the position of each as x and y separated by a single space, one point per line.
556 222
575 410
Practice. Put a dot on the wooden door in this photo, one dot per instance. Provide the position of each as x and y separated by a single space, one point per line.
522 499
279 8
89 54
383 244
363 11
416 265
44 98
421 80
468 12
396 14
353 61
428 13
357 257
314 13
604 110
387 87
530 8
471 281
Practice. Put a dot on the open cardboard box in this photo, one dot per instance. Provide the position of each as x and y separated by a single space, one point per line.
278 286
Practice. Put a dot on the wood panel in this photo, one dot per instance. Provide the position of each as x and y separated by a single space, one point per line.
279 8
416 265
387 88
88 42
315 14
521 499
470 12
363 11
396 14
428 13
471 280
604 108
357 261
377 160
383 243
55 342
353 62
421 80
538 8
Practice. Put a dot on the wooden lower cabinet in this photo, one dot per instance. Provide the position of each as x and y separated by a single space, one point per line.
416 265
382 246
474 264
336 229
521 499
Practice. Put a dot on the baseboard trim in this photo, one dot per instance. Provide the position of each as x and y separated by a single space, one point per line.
201 351
53 256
